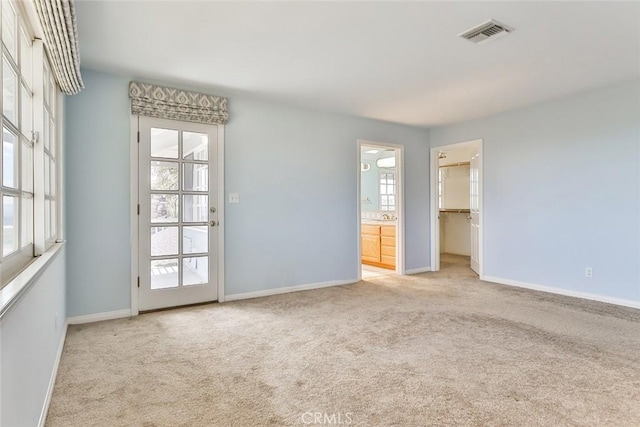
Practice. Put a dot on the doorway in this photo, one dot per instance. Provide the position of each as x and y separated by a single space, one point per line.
456 206
179 211
380 209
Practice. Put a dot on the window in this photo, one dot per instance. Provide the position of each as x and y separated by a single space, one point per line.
441 173
387 191
25 140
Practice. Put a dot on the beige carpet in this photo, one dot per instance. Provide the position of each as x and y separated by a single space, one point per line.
432 349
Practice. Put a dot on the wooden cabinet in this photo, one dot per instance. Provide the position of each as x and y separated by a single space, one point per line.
379 245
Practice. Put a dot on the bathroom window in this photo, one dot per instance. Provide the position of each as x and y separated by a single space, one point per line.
441 173
387 191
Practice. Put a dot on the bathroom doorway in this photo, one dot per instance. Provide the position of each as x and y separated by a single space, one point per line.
380 210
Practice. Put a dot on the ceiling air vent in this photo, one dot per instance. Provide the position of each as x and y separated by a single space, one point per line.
486 31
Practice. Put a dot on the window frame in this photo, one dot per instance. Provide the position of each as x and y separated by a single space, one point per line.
30 230
387 207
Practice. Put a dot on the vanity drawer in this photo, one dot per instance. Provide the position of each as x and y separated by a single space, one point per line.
389 261
370 229
388 230
389 241
388 250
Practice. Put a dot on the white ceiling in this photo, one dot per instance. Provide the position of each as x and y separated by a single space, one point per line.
395 61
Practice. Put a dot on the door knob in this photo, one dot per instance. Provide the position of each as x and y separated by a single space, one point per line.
212 223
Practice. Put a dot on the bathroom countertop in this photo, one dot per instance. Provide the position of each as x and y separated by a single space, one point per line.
379 221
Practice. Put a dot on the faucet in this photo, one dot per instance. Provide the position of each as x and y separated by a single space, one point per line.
386 216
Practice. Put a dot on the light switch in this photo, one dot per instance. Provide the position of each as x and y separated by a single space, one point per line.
234 198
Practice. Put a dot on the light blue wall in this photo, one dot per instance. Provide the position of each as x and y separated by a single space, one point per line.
97 196
295 170
29 342
562 191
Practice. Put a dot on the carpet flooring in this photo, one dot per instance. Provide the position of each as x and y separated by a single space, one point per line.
431 349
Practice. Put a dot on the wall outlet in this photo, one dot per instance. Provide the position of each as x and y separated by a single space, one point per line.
234 198
588 272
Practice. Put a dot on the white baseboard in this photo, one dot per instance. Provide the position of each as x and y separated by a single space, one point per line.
52 380
566 292
277 291
417 270
98 317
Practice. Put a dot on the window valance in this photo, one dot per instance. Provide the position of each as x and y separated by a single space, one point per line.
58 20
175 104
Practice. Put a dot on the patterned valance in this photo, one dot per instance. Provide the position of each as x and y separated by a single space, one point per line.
58 20
176 104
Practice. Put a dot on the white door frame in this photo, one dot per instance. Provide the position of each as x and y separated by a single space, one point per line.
399 151
134 200
435 211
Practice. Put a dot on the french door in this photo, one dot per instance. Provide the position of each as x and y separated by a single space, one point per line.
178 218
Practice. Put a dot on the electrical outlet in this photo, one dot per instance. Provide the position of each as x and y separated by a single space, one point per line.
588 272
234 198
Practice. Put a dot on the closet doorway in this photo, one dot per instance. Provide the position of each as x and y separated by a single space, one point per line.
456 206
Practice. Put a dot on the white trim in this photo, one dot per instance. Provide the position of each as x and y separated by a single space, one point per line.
12 292
221 223
400 205
359 212
39 60
60 163
285 290
52 380
133 224
417 270
434 231
565 292
99 317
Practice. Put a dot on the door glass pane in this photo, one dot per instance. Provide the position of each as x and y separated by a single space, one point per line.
164 241
27 221
164 273
9 27
164 143
195 208
27 168
9 159
164 208
195 177
26 125
9 228
9 91
195 271
164 175
195 146
195 239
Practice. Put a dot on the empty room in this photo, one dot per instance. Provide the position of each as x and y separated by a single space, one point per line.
385 213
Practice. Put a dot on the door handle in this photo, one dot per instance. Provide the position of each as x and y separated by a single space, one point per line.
212 223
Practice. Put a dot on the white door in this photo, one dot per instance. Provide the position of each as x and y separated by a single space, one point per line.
177 222
474 203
